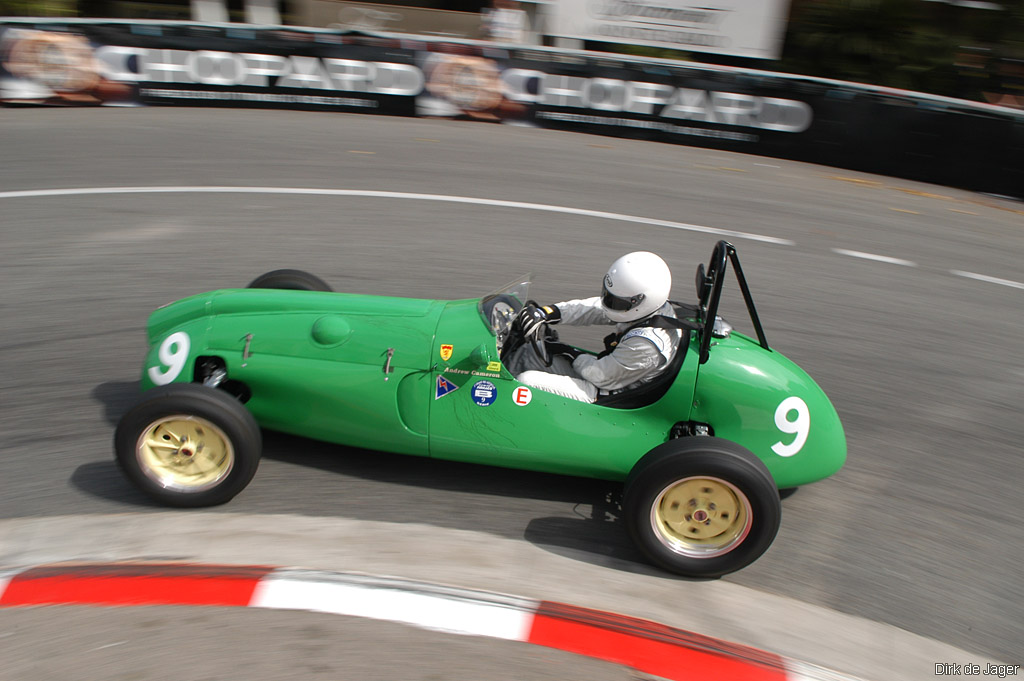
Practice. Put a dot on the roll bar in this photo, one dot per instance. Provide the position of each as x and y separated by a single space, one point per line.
709 294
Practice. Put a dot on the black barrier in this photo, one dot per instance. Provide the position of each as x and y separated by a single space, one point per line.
847 125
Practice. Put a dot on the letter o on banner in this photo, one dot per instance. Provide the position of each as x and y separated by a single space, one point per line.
216 68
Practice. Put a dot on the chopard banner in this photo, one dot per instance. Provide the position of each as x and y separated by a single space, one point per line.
682 105
861 127
609 97
191 64
182 64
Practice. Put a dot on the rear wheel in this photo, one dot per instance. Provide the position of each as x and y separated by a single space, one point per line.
295 280
188 445
701 507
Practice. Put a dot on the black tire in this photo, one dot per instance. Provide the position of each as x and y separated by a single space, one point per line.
295 280
203 446
712 488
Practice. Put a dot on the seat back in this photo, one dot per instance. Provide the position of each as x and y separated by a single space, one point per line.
651 391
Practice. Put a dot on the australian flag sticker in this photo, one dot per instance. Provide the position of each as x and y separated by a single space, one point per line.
444 386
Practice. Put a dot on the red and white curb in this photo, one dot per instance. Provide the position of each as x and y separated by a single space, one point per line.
643 645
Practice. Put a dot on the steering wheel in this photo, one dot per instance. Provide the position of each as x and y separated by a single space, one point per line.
540 346
536 336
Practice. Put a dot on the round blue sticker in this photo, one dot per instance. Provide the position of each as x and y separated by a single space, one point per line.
484 393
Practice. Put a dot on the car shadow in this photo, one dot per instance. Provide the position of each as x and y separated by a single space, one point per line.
590 529
579 519
584 541
595 536
428 473
116 397
103 479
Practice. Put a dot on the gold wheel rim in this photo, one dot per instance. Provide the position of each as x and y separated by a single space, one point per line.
701 517
185 453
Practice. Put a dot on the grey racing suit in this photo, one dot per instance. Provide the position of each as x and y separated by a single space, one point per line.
640 355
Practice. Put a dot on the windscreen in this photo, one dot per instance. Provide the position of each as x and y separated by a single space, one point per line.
499 309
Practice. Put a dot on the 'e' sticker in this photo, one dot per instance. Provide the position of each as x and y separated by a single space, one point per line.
446 351
522 395
444 386
484 393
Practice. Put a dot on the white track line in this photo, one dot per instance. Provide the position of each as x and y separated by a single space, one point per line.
109 645
87 191
990 280
876 258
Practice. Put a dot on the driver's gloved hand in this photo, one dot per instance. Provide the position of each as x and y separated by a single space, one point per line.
533 317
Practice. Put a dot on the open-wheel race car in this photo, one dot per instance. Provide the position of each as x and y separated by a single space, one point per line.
703 449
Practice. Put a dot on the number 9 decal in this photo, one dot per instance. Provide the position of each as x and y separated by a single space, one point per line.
173 354
801 426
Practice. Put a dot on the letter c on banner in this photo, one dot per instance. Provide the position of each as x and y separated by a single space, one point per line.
114 61
521 85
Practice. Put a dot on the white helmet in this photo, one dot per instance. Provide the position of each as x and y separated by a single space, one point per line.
637 285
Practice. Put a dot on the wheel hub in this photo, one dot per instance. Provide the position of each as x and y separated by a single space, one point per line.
185 453
701 517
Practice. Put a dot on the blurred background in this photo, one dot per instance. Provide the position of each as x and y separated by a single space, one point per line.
897 297
969 49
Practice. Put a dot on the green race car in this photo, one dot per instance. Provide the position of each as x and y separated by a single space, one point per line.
703 449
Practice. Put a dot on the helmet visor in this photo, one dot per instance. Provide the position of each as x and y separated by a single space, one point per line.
619 303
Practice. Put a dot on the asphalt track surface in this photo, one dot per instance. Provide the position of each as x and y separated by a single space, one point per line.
904 301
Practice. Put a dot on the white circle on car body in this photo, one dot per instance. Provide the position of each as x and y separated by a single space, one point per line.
522 396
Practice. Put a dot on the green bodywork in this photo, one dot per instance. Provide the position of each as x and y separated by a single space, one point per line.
317 365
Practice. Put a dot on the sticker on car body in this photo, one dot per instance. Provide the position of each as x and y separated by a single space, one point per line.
522 396
800 426
444 386
484 393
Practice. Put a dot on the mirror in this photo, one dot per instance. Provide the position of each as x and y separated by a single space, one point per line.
703 286
483 356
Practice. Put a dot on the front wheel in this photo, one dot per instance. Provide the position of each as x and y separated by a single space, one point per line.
701 507
188 445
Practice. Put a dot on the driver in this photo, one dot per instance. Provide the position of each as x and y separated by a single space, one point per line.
634 298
